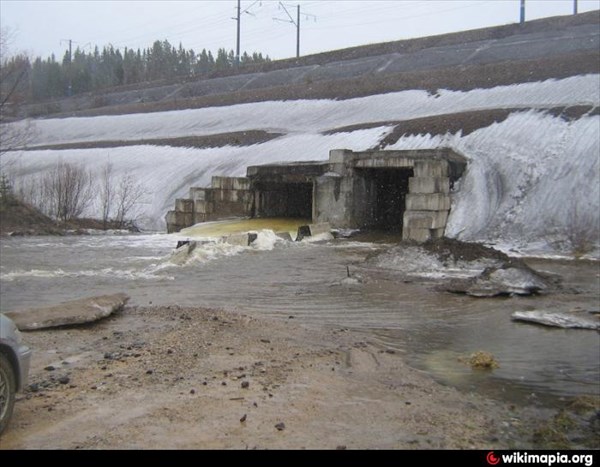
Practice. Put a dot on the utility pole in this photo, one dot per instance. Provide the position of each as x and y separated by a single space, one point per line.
574 7
70 41
298 31
295 23
237 46
522 21
238 18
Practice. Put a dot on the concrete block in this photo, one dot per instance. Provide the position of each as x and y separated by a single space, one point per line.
425 219
230 183
312 230
429 168
284 235
204 207
427 202
316 229
198 194
170 217
201 217
417 235
429 185
341 156
184 205
244 239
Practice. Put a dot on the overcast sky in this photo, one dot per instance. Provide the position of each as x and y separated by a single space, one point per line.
40 28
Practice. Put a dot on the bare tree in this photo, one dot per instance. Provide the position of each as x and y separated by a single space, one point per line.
127 195
107 193
67 190
13 94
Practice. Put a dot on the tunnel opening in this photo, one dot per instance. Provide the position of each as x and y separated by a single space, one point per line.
293 200
387 189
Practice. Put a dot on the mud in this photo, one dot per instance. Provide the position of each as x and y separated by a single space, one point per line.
175 377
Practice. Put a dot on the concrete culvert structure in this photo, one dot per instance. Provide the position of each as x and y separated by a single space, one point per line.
398 191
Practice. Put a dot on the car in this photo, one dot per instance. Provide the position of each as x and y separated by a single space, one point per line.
14 367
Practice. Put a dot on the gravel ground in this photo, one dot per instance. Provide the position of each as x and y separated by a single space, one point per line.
194 378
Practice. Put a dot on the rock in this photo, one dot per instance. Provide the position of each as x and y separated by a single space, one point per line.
85 310
34 387
192 391
149 372
280 426
483 361
49 368
245 384
64 380
570 320
501 281
243 419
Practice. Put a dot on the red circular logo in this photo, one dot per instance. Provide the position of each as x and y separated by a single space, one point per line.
492 459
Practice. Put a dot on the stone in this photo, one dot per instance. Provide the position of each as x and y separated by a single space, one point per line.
507 281
280 426
568 320
243 419
64 380
245 384
81 311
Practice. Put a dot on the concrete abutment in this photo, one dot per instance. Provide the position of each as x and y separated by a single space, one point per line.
405 191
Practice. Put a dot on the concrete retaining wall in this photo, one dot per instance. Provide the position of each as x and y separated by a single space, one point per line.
227 197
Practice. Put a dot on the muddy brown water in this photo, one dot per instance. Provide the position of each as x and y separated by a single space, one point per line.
432 329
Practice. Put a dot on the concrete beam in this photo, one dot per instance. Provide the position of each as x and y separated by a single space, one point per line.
431 168
341 156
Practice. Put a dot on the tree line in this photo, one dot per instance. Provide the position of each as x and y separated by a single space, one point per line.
80 71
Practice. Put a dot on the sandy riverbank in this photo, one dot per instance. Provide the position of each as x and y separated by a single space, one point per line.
194 378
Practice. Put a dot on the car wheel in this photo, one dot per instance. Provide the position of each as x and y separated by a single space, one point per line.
7 391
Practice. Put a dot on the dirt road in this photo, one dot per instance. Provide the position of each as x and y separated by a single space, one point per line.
201 379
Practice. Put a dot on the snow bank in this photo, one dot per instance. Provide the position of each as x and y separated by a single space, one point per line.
532 181
313 116
530 176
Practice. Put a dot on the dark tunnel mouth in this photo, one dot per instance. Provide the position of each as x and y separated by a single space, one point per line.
387 189
291 200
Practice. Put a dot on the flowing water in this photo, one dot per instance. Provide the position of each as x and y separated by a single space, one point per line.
308 280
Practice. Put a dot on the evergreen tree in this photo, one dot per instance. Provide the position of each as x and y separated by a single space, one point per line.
109 67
